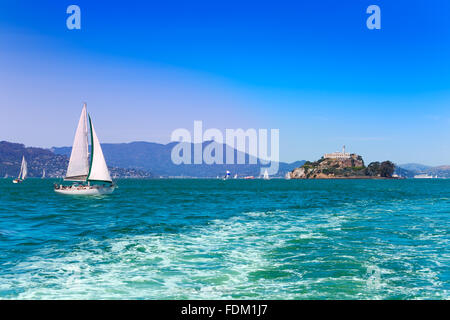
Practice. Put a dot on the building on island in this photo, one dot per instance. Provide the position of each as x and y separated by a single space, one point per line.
337 155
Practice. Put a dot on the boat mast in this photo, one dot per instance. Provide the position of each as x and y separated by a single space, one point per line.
21 169
92 149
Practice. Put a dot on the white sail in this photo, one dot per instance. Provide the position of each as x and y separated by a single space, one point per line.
99 170
43 173
78 168
266 175
23 169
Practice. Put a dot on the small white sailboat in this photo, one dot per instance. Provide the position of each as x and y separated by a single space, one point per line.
235 176
266 175
88 170
23 171
43 174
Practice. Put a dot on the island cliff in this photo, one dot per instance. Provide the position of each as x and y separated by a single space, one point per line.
350 166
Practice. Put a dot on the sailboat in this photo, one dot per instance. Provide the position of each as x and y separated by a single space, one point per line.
43 174
87 169
227 175
266 175
23 171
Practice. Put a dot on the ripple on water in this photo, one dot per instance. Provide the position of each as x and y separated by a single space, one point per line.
361 249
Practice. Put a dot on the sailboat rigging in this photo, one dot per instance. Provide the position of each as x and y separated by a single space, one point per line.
87 166
23 171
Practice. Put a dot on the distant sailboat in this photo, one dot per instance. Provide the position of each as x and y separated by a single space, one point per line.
91 176
235 176
287 176
266 175
227 175
43 173
23 171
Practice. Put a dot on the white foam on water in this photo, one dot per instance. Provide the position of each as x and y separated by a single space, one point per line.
260 255
213 261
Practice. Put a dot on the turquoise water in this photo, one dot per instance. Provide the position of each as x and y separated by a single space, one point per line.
214 239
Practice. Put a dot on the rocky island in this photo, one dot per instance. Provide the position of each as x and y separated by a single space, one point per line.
343 165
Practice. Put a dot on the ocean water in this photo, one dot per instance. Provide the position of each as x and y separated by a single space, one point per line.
236 239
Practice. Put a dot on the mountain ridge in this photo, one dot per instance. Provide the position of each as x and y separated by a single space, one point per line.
441 171
145 159
55 165
156 158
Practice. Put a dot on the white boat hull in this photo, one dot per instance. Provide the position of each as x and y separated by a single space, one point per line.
86 190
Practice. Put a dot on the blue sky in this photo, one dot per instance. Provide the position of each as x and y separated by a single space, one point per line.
309 68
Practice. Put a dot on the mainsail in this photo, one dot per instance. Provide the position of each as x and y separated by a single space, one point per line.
99 170
78 168
23 169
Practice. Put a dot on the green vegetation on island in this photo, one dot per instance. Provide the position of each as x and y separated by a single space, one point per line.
349 166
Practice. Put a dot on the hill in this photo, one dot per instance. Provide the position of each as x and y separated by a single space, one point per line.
144 159
156 158
38 158
414 167
401 172
417 169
